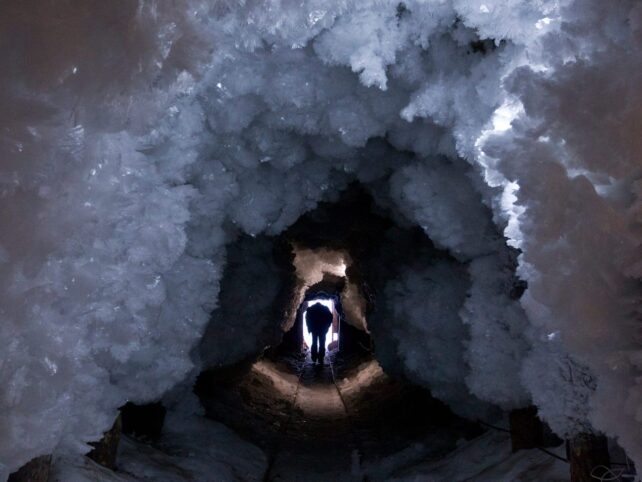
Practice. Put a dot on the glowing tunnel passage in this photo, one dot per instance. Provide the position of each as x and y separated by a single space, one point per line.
393 376
332 334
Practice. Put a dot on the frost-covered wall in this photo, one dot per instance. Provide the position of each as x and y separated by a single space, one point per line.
574 152
138 138
246 318
424 305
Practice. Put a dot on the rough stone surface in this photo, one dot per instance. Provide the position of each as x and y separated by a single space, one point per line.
106 449
308 431
37 470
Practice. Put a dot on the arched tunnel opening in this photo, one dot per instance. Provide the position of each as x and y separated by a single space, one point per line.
325 420
375 408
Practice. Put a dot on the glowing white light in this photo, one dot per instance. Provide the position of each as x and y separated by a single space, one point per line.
542 22
51 366
508 204
484 9
314 16
500 122
307 336
504 116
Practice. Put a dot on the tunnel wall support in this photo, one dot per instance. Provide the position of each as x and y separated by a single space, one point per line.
588 455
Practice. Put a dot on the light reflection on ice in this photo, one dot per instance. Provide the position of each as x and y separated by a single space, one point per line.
542 22
51 366
314 16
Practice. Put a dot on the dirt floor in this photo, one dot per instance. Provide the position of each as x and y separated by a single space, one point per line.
315 429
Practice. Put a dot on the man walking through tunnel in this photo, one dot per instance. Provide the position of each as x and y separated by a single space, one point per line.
318 318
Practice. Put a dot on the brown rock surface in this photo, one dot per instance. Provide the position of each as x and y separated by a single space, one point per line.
36 470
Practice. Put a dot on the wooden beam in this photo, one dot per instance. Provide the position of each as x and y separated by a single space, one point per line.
588 455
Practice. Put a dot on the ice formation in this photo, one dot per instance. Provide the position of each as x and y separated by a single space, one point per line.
139 140
425 305
242 319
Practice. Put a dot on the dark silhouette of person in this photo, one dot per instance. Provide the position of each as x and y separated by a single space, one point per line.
318 318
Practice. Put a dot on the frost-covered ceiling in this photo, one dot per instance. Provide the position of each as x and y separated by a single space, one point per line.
138 139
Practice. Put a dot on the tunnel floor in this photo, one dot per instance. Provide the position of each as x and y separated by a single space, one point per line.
283 419
315 429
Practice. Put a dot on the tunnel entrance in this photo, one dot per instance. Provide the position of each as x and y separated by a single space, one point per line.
390 395
319 422
368 412
326 274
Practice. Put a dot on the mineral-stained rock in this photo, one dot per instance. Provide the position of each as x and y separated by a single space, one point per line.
36 470
105 450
